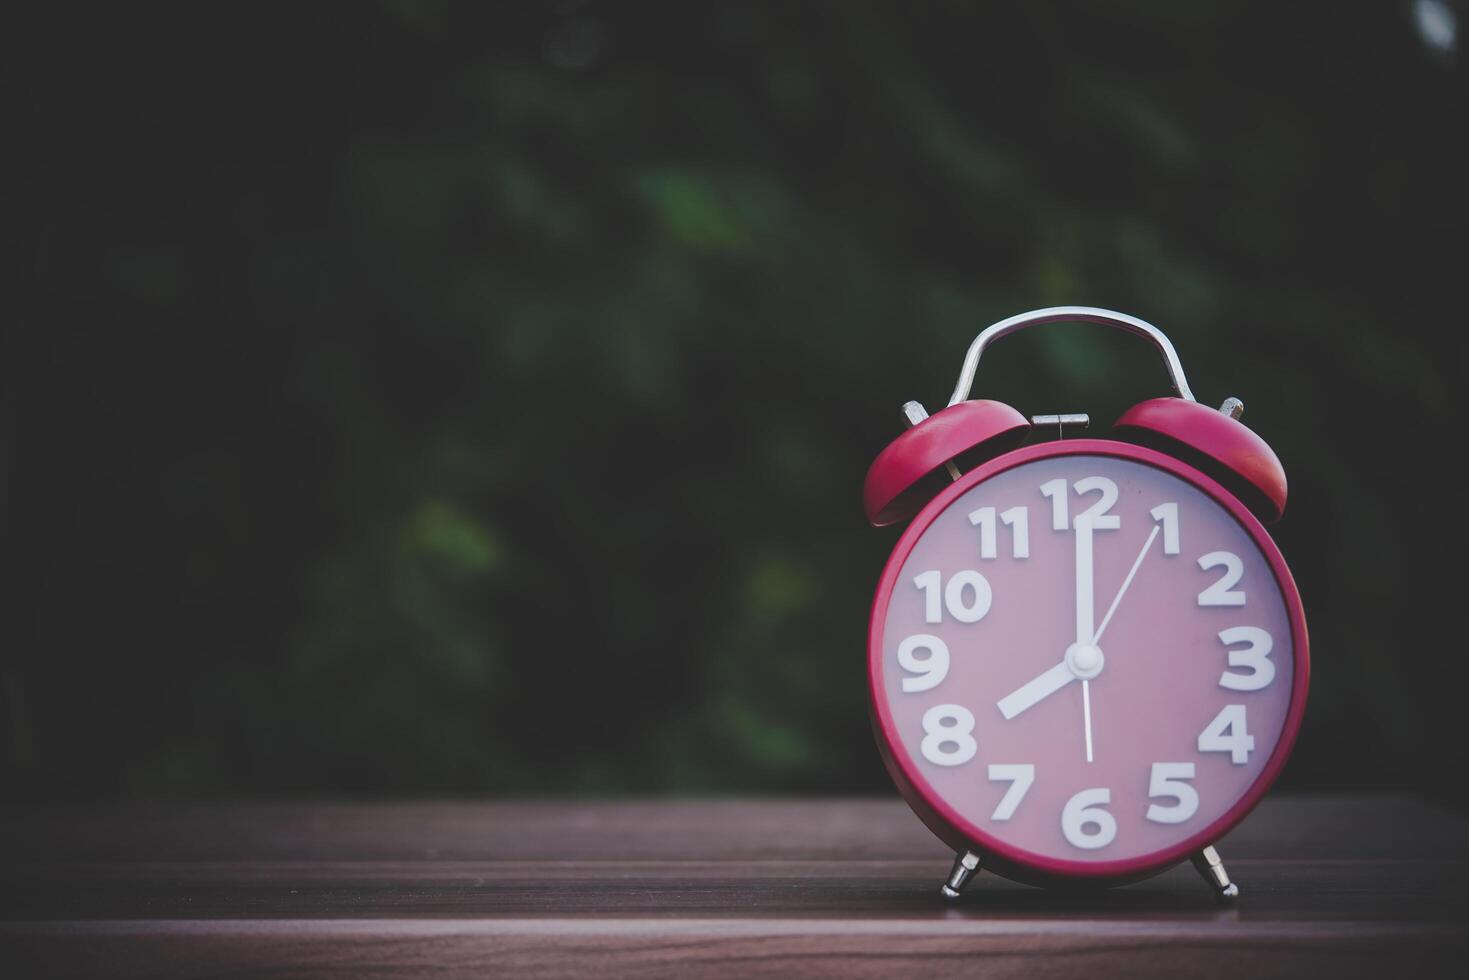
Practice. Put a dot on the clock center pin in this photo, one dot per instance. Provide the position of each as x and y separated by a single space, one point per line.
1085 660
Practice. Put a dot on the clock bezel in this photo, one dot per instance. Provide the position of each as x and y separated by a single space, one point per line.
960 833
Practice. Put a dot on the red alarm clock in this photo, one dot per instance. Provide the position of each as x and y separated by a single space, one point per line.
1087 658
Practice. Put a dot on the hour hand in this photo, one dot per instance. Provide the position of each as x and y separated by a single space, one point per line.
1028 694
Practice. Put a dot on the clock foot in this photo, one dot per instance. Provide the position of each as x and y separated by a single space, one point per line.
966 865
1208 864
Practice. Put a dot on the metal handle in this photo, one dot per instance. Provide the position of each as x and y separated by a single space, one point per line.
1089 314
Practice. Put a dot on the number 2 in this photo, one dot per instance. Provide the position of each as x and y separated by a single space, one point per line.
1223 592
1096 515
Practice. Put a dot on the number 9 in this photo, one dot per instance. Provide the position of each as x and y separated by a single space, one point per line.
931 670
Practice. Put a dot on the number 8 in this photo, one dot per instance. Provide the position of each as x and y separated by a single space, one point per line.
938 734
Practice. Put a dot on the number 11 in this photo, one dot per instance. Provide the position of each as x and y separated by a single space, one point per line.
1017 519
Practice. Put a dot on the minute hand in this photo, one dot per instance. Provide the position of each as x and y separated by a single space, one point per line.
1085 612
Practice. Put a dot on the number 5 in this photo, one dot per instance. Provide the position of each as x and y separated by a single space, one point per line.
1168 780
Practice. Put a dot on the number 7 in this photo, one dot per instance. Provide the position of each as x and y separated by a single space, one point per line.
1020 777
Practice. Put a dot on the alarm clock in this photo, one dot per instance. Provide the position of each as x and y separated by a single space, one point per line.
1087 659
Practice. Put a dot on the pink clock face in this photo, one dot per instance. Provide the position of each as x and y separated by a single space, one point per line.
1086 658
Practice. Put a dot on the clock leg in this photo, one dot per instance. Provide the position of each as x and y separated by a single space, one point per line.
966 865
1208 864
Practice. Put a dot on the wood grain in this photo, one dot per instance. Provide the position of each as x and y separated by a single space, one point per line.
1339 886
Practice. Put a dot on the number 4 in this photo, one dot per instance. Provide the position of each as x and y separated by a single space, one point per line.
1227 733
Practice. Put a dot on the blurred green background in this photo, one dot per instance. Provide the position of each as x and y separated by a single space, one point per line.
431 398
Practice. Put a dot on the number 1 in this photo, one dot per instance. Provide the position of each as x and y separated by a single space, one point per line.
1056 490
1167 515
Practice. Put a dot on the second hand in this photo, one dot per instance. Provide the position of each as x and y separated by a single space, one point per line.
1086 710
1125 583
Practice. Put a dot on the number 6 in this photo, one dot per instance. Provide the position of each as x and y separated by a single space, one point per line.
1083 809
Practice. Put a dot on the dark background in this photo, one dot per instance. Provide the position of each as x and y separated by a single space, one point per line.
425 398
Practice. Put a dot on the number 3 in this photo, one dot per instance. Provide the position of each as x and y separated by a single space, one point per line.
1255 656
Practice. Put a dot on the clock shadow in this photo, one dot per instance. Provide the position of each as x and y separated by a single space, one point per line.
1041 903
1174 895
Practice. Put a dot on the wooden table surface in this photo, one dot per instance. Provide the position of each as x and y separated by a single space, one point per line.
1331 886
